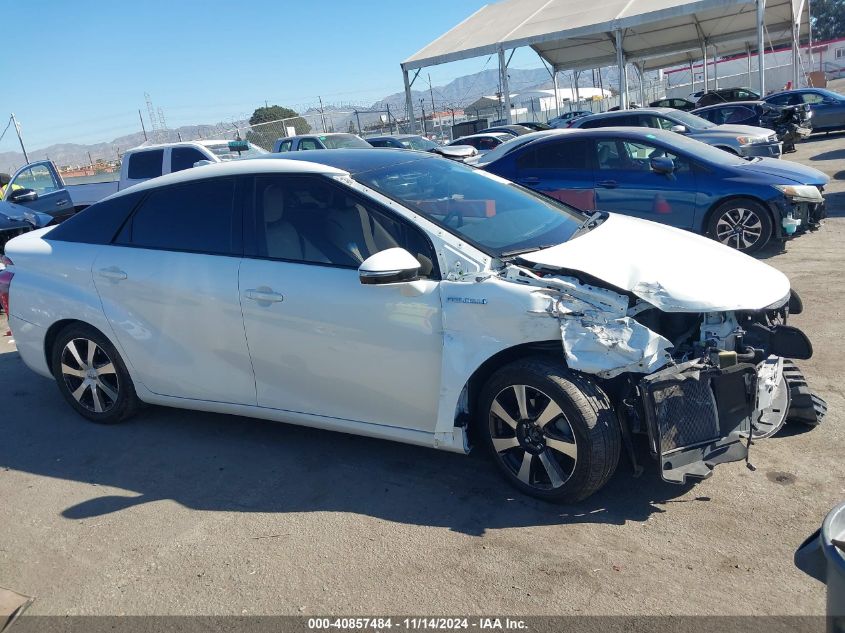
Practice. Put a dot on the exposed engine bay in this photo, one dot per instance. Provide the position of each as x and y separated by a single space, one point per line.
700 385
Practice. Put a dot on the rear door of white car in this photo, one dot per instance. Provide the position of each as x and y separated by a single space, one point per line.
321 342
169 288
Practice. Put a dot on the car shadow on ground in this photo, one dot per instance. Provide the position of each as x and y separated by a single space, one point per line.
227 463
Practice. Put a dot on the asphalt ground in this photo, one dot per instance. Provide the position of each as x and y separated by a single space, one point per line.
178 512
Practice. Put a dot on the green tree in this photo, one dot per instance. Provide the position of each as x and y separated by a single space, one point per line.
269 126
828 19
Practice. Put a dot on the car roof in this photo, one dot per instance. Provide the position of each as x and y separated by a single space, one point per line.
728 104
351 161
313 134
498 135
244 166
396 136
205 143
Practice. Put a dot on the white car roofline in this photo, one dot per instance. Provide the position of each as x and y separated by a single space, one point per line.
234 168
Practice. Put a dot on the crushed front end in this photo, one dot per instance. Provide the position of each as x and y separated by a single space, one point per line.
700 385
730 382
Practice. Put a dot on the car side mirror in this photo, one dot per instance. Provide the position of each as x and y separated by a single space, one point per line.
391 266
680 129
662 165
23 195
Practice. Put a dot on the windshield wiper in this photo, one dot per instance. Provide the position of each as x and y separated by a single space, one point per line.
590 223
522 251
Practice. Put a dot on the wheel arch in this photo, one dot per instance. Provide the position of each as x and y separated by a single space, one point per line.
482 373
55 329
728 198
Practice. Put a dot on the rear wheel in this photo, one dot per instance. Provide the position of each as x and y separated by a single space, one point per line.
551 432
91 375
742 224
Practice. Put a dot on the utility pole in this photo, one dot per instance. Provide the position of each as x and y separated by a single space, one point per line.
422 109
389 119
143 129
431 92
20 139
322 117
357 118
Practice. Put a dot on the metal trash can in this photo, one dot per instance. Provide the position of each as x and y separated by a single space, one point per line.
822 556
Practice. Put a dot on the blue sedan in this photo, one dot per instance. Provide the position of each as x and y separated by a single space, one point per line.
668 178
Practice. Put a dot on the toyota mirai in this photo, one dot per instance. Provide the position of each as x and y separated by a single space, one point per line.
403 296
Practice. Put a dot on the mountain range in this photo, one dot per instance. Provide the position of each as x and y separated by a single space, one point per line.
457 93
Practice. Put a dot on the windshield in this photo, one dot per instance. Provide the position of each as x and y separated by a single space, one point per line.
418 142
344 141
692 120
222 151
498 217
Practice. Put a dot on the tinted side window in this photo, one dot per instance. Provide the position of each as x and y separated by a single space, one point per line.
811 97
559 155
196 216
99 223
600 122
308 143
184 158
143 165
309 219
284 146
737 115
780 99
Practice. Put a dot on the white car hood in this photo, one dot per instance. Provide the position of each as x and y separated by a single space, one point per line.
672 269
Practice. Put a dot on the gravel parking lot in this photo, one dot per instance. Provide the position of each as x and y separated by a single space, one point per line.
182 512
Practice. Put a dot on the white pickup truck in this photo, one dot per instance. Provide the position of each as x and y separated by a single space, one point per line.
40 187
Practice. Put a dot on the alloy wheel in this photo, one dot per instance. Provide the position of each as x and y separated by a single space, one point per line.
532 437
89 375
739 228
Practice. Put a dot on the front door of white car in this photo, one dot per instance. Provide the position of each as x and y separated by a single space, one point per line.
169 288
321 342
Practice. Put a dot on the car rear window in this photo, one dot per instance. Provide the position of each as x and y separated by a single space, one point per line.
99 223
145 165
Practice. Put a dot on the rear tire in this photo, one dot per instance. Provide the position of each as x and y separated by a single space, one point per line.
91 375
552 432
742 224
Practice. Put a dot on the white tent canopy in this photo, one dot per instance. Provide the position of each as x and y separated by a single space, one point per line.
575 35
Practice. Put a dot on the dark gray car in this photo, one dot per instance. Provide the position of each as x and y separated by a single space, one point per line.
828 107
743 140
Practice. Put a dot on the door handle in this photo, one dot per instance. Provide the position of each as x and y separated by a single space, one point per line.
113 272
61 203
264 295
530 180
607 184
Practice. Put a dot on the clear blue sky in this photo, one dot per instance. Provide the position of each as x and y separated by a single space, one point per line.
77 70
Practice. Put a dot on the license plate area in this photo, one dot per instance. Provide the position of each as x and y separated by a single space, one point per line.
698 416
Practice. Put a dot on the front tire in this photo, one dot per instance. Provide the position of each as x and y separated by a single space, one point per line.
91 375
742 224
551 432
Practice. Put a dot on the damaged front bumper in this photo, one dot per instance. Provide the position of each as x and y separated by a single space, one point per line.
698 416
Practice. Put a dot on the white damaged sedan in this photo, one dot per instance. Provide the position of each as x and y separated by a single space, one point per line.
402 296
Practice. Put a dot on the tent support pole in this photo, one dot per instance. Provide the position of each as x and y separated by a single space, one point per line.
704 64
691 78
796 52
557 91
503 70
715 69
761 50
748 60
409 105
623 79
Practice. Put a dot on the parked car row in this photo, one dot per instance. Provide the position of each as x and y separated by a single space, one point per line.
399 295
